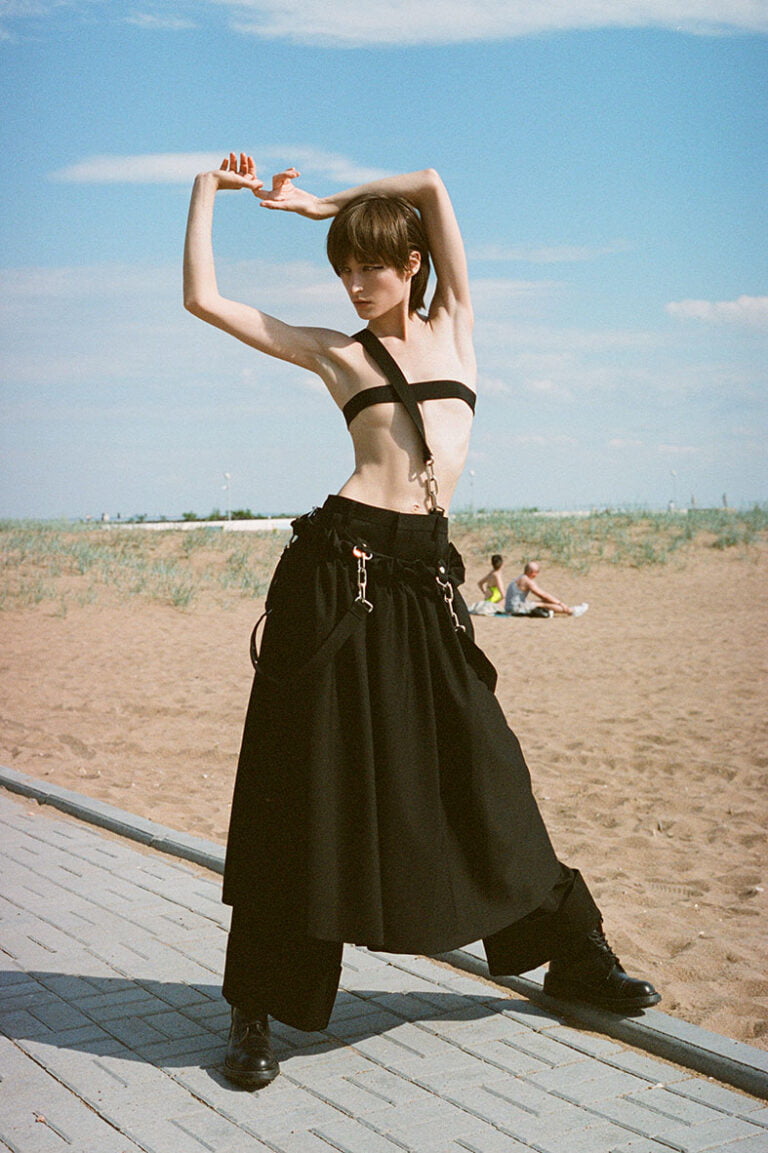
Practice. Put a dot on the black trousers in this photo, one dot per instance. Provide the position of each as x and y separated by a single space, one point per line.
294 978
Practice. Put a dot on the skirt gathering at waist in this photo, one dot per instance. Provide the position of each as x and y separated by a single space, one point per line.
406 536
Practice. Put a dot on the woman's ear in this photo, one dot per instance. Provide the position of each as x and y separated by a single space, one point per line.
414 263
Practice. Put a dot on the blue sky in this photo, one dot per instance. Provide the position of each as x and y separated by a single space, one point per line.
608 166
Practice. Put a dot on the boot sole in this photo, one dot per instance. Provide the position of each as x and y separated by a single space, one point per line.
250 1080
615 1005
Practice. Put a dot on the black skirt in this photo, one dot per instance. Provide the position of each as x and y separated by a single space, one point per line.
381 798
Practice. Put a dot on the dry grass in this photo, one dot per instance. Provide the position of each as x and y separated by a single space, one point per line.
76 564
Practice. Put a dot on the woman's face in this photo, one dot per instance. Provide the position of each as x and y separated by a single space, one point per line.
374 289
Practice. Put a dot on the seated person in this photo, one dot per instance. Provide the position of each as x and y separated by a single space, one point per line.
516 604
492 588
492 584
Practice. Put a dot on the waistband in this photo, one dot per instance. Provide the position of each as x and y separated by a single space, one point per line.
416 536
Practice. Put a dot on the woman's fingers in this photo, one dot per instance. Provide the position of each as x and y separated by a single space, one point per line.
281 178
243 165
246 166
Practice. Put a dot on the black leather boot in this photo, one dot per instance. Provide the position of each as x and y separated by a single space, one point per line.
594 974
250 1061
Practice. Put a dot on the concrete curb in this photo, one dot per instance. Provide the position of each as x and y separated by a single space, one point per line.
732 1062
116 820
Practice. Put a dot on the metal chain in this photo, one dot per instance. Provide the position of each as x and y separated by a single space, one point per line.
446 588
362 577
429 466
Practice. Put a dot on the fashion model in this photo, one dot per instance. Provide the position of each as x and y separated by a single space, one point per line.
381 798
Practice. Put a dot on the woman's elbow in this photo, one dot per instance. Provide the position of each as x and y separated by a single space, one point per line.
432 179
198 306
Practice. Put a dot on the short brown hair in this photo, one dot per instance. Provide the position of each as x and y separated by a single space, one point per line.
388 229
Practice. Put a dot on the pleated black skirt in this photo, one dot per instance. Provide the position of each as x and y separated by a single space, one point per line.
381 798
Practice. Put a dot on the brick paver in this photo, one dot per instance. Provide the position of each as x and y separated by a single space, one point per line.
113 1030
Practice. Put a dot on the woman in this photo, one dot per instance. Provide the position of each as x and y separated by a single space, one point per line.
381 798
493 588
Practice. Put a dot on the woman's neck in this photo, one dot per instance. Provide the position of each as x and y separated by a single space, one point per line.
398 323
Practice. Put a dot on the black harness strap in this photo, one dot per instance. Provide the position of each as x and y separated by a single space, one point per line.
342 630
394 375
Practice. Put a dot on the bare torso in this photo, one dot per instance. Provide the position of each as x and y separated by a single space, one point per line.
389 469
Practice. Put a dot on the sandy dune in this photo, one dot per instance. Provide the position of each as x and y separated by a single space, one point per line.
643 723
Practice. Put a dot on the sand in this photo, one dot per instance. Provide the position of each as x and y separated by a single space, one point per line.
643 723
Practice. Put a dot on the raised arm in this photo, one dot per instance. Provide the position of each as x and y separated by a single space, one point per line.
302 346
308 346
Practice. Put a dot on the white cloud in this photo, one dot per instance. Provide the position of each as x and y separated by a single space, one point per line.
545 254
150 168
492 385
27 7
338 168
329 22
94 282
161 23
181 167
336 23
11 10
623 442
545 386
499 298
544 440
749 311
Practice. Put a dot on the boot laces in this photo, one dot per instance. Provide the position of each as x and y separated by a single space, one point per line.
597 937
249 1026
258 1027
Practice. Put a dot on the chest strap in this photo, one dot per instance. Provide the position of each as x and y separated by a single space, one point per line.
394 375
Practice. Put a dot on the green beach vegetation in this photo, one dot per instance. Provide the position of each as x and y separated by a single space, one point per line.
76 564
634 539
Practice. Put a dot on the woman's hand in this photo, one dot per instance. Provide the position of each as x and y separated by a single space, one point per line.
283 195
286 197
234 174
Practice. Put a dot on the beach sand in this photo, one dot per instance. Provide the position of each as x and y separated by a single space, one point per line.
643 723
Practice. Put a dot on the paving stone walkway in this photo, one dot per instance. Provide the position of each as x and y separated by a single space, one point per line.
112 1030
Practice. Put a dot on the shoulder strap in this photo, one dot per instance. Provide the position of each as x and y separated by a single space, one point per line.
394 375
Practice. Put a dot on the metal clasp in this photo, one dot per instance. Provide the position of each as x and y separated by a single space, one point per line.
446 588
362 577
